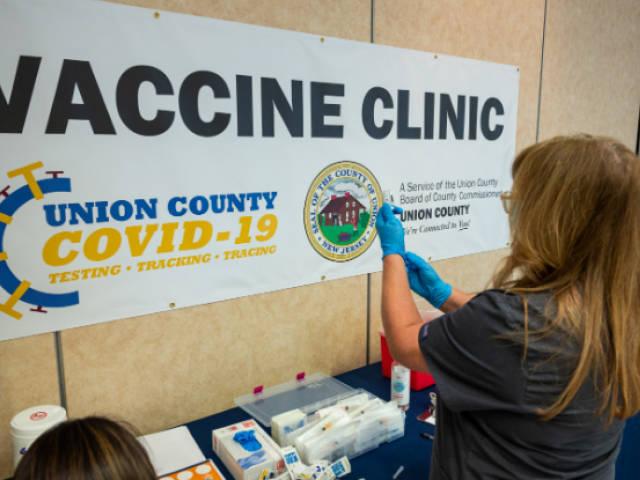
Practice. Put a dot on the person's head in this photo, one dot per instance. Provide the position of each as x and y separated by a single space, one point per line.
575 221
91 448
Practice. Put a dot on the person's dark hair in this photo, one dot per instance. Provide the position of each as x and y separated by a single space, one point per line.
92 448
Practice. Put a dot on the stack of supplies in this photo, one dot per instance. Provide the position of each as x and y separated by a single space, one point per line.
317 424
337 431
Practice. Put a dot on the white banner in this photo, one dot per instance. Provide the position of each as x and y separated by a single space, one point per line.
158 161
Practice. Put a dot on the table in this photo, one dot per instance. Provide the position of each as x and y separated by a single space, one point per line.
411 451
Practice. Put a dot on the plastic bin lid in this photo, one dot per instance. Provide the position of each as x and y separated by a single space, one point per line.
35 420
265 404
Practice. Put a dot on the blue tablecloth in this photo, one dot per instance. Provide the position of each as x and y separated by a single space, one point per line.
412 451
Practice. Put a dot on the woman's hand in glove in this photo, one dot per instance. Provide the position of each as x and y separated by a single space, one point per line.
390 231
424 280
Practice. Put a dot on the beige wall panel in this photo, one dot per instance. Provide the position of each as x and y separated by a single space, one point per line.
161 370
501 31
591 80
350 19
165 369
28 378
496 31
471 274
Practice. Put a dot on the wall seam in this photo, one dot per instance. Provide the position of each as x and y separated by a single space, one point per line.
62 388
544 31
373 10
368 317
638 138
368 359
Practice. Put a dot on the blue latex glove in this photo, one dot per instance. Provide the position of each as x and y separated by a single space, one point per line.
390 231
424 280
248 440
252 460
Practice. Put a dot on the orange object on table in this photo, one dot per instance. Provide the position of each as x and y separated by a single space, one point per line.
204 471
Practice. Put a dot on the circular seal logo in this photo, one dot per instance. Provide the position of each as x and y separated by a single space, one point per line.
341 210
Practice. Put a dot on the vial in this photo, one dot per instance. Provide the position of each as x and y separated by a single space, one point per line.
387 197
400 380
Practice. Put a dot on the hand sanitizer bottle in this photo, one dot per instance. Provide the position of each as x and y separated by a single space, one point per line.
400 379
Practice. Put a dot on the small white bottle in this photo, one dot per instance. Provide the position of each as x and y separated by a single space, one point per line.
387 197
400 379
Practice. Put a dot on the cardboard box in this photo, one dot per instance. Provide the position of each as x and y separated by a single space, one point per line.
248 461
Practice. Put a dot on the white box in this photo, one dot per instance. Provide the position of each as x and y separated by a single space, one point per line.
285 423
236 457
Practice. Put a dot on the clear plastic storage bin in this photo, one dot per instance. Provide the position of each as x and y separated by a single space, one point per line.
316 392
304 394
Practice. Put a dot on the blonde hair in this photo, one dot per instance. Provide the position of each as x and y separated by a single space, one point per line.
576 232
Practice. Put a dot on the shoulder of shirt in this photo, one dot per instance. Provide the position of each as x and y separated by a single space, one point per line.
494 307
507 300
514 300
497 311
512 303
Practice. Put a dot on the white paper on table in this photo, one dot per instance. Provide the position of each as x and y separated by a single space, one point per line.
172 450
431 420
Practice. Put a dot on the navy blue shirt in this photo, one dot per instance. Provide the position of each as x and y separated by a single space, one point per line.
486 422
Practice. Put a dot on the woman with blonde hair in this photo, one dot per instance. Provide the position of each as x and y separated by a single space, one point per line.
92 448
536 376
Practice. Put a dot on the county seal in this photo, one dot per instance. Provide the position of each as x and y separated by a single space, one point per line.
341 210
